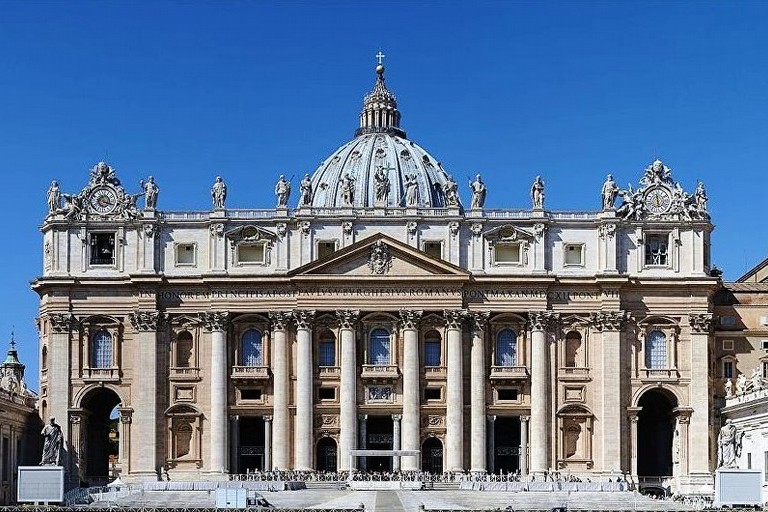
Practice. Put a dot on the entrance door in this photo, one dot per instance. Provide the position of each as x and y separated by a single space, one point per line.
654 434
379 431
251 449
506 432
326 454
432 456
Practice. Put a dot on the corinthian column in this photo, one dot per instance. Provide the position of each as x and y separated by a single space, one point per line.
539 321
145 325
454 397
216 322
477 420
348 394
698 456
303 429
280 423
410 419
58 378
609 323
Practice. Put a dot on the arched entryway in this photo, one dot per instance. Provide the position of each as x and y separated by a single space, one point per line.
655 430
326 454
99 436
432 456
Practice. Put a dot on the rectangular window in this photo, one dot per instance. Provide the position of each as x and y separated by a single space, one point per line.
251 253
728 321
727 345
765 369
434 249
507 253
432 353
656 250
325 248
506 394
749 461
327 356
326 393
250 394
764 344
432 394
727 369
574 255
102 248
185 254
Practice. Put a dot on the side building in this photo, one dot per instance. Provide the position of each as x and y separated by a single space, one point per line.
19 424
381 313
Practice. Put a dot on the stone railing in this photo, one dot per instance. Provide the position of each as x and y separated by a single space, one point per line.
101 374
435 372
250 372
659 374
378 371
329 372
572 373
509 372
177 373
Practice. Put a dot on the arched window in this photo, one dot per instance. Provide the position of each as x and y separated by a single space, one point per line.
184 349
506 348
252 348
572 349
379 347
432 349
656 350
327 349
102 349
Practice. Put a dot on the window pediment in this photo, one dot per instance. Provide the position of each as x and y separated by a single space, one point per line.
508 233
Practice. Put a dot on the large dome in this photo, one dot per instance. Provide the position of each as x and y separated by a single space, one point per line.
377 166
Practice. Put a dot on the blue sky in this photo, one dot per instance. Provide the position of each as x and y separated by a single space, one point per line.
250 90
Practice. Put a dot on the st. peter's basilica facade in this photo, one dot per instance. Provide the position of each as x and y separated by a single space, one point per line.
374 310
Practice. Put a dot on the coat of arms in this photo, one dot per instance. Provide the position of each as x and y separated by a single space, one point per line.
380 260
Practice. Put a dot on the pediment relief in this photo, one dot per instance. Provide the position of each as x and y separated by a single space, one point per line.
185 322
508 233
574 321
250 233
381 256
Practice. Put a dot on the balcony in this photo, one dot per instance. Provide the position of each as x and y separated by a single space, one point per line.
570 373
435 372
659 375
509 373
101 374
380 372
183 373
250 373
329 372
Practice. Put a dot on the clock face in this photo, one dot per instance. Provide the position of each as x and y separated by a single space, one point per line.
103 200
658 201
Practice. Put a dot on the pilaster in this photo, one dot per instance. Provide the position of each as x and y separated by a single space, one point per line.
698 460
61 325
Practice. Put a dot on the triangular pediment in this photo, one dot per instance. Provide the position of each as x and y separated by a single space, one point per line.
507 233
380 256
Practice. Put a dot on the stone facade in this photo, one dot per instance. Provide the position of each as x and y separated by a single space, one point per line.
380 313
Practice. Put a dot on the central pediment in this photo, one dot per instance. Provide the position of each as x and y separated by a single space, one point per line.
380 256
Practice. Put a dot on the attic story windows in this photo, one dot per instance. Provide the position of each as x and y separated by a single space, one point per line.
251 245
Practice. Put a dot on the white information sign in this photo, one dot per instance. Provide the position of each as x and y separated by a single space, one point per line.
40 484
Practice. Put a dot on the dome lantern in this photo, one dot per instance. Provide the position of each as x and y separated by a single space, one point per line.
380 114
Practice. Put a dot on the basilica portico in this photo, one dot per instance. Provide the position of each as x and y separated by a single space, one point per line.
381 314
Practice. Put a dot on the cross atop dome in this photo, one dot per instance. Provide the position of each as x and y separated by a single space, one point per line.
380 56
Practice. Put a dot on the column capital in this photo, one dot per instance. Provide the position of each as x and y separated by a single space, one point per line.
701 323
267 418
304 318
279 320
540 320
347 317
146 321
397 417
454 317
60 322
362 417
215 320
491 417
409 318
608 320
479 319
126 414
525 419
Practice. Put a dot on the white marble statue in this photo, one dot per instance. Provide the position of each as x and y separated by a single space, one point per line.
54 197
609 192
728 445
411 190
728 388
219 193
282 191
381 185
537 193
52 443
741 384
451 191
151 191
756 380
347 190
478 193
306 191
